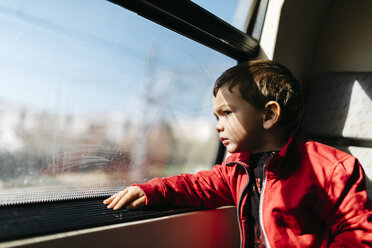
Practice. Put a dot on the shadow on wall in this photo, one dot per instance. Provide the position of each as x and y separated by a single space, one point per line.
369 187
368 173
339 110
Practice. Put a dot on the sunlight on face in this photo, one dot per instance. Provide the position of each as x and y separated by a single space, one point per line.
239 123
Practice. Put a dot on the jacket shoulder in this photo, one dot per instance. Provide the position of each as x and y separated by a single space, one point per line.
324 154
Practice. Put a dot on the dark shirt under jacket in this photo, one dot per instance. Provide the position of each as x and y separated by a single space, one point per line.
256 172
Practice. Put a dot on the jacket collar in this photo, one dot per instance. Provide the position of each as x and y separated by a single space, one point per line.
282 164
286 161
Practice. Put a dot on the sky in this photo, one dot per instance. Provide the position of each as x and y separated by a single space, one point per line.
90 56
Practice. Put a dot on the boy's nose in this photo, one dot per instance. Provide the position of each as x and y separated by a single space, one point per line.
219 127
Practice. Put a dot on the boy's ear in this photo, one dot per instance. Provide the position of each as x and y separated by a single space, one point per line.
272 114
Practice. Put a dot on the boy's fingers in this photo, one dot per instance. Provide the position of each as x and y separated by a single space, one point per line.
108 200
132 196
127 198
140 202
117 198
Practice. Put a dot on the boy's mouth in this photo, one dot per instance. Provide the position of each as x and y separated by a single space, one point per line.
224 141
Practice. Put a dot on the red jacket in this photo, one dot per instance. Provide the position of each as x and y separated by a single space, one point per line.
312 196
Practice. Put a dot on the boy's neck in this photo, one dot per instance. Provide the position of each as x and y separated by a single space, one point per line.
273 142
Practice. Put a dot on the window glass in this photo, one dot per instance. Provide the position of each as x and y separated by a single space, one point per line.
94 97
235 12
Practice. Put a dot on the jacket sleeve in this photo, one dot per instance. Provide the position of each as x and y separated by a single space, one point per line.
203 189
350 216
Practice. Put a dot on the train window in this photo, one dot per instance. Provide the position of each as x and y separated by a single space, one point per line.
94 98
236 12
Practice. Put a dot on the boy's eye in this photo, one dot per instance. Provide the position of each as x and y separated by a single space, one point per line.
226 112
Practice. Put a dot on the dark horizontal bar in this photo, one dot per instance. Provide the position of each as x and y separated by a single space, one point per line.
194 22
30 220
342 141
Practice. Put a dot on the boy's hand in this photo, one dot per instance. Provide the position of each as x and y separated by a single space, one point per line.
131 197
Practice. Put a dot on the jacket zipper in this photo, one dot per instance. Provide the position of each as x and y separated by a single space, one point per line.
240 202
261 204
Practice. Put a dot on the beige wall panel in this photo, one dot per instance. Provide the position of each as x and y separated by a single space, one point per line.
345 43
299 28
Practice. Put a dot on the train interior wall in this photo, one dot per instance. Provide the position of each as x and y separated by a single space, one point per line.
330 37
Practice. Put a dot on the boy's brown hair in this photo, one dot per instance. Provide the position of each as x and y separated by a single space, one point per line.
261 81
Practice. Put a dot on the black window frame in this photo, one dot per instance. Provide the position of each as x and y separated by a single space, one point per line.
185 18
196 23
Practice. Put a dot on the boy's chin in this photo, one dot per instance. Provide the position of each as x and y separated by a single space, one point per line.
232 149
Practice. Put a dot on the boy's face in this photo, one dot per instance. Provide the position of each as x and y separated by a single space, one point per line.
240 125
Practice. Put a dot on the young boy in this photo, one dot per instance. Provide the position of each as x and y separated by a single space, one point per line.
288 193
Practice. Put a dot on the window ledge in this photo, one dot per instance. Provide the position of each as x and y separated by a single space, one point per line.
205 228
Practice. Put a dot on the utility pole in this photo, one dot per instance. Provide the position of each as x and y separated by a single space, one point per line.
139 152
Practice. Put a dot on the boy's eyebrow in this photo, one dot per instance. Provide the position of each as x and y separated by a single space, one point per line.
220 107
